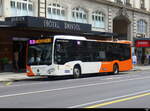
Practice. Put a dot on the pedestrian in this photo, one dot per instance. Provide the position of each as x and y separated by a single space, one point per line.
16 59
149 59
134 59
143 59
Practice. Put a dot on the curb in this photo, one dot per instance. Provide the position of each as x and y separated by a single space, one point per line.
15 78
12 79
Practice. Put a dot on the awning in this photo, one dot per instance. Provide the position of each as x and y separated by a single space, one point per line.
56 26
48 24
142 42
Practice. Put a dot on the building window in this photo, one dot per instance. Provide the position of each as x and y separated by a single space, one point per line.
127 3
123 2
13 4
18 5
79 15
0 2
56 11
0 7
21 7
142 2
141 27
98 19
119 2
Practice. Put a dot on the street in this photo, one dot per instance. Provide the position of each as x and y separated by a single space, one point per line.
125 90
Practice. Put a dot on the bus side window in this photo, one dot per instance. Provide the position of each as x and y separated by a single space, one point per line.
59 53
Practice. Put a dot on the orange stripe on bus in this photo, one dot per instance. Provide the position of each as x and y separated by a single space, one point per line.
123 65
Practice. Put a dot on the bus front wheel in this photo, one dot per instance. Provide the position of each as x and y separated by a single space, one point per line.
76 71
115 69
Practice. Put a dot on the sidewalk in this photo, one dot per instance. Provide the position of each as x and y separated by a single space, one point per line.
11 76
141 68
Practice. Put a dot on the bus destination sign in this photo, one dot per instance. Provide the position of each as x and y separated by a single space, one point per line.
40 41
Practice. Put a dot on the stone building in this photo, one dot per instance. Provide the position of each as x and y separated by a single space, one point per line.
103 15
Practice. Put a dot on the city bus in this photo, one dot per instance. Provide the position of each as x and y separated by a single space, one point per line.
75 55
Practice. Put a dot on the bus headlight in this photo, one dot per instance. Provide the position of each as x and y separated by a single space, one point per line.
51 70
27 71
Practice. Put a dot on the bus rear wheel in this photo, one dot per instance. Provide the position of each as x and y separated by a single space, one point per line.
115 69
76 72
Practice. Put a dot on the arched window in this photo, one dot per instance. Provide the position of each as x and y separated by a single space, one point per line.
56 11
98 19
21 7
79 15
141 27
0 7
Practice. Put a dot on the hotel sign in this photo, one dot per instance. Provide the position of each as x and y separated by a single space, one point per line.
38 22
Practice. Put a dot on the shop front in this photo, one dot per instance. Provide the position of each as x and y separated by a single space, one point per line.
15 31
142 50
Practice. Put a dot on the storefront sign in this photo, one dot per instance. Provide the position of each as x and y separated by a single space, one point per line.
142 43
75 27
16 19
62 25
51 24
38 22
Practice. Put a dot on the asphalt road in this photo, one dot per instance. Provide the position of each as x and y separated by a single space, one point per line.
126 90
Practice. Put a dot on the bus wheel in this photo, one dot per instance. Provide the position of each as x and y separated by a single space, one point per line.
115 69
76 72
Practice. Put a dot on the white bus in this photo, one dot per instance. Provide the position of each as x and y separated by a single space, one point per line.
75 55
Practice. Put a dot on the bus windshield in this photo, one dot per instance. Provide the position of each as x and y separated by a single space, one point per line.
40 54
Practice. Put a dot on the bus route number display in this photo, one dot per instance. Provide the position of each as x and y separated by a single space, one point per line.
40 41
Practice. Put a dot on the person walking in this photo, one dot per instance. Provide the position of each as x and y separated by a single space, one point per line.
16 59
149 59
134 60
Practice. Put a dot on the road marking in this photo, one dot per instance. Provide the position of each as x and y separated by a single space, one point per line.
8 83
71 87
110 99
119 100
113 78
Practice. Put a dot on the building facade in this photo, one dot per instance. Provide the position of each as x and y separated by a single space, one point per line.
104 15
129 19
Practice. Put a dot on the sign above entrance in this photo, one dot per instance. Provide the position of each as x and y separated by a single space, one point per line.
50 24
142 43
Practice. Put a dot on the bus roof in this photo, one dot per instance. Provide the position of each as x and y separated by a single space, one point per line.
118 41
125 42
70 37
